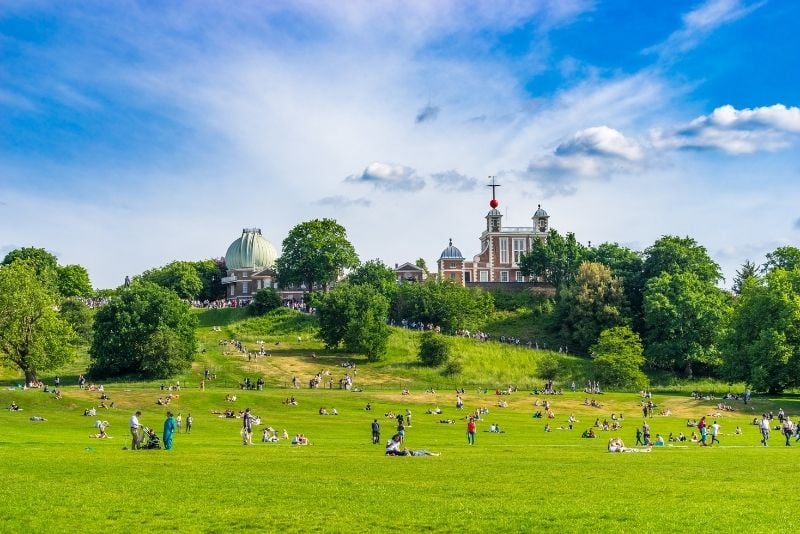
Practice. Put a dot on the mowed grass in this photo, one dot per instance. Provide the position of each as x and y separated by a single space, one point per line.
55 477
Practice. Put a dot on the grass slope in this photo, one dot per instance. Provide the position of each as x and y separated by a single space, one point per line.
57 477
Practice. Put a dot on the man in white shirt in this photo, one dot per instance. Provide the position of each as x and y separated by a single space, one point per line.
764 426
715 432
135 436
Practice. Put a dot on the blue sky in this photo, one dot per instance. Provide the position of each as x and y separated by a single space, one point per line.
135 133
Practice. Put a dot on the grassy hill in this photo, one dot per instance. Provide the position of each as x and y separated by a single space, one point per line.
524 479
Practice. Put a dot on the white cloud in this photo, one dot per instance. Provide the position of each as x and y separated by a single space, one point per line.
390 177
601 141
700 22
734 131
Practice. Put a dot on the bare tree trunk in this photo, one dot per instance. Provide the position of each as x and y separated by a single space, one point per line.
30 376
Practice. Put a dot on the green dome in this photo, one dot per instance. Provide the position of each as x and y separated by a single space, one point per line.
251 251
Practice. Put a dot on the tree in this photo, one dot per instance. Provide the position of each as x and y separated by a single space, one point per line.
80 317
747 271
446 304
762 347
787 258
618 358
685 318
422 265
627 265
354 316
556 259
211 273
179 276
672 254
315 253
73 281
594 302
32 335
265 300
549 366
44 263
146 330
433 349
376 274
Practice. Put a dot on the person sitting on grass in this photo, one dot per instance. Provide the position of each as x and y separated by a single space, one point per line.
659 440
588 433
393 449
101 430
616 445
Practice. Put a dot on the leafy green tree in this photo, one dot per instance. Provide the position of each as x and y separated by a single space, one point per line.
628 266
376 274
264 301
556 259
594 302
618 359
44 263
672 254
685 317
747 271
146 330
762 347
73 281
433 349
32 335
549 367
787 258
80 317
179 276
315 253
211 273
445 304
422 265
354 316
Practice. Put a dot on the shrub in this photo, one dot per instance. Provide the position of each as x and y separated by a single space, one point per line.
433 349
265 300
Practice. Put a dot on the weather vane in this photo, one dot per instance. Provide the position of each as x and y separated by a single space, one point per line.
493 203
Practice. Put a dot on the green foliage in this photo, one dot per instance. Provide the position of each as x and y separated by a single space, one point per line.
592 303
422 265
549 366
618 359
787 258
178 276
685 316
73 281
627 265
453 368
505 300
555 259
433 349
762 347
376 274
265 300
446 304
32 335
314 254
211 273
44 264
672 255
146 330
747 271
80 317
354 316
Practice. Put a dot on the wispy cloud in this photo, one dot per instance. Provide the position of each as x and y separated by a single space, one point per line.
597 152
427 114
701 22
453 181
389 177
734 131
339 201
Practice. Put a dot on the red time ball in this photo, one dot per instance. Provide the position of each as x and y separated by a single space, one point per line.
494 203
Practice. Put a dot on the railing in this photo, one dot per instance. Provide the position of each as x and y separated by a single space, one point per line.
228 280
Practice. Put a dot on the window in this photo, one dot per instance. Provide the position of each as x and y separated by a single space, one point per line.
519 248
504 276
467 277
520 278
503 251
245 288
484 276
452 276
233 287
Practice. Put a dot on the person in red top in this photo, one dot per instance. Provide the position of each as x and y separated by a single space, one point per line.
701 426
471 427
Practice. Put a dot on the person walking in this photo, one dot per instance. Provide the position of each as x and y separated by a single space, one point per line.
715 433
135 430
646 434
471 428
189 421
764 427
639 437
376 432
170 425
788 429
247 428
701 426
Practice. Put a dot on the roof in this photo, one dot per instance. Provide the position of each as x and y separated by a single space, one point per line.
251 251
540 212
451 253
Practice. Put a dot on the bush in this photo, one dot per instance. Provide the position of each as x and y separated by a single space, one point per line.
452 368
433 349
265 300
549 367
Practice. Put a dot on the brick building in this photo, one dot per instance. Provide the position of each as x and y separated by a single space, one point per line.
501 248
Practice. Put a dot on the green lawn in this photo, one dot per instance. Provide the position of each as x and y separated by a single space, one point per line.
55 477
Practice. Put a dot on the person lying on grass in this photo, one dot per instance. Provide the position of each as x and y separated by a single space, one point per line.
393 449
616 445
